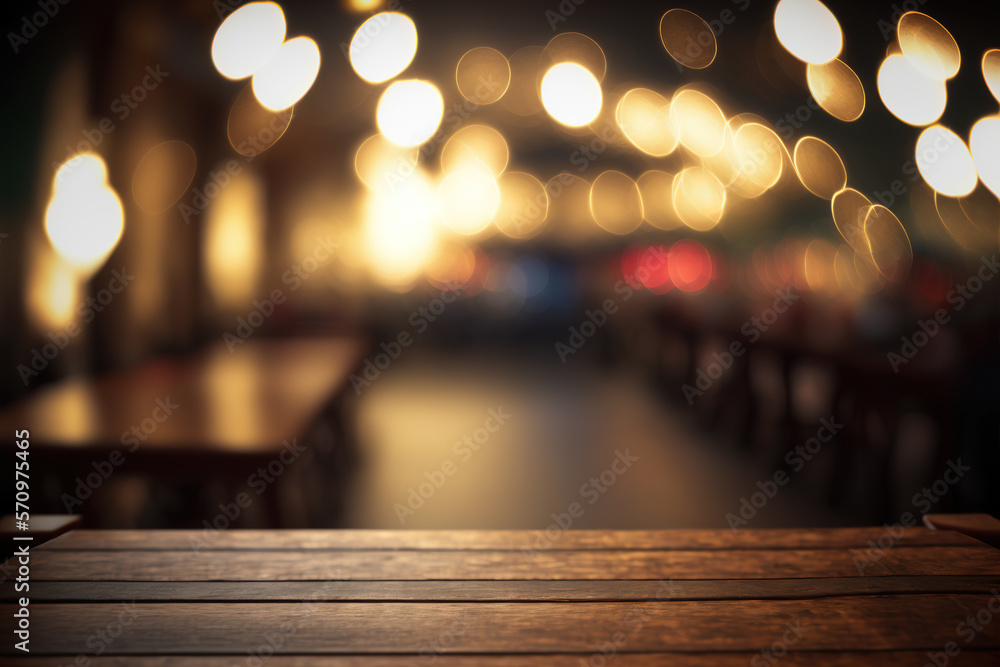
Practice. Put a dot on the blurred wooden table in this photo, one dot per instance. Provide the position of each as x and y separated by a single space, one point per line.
196 419
463 598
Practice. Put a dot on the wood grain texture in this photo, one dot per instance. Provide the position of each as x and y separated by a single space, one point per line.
879 623
496 540
967 658
495 591
609 564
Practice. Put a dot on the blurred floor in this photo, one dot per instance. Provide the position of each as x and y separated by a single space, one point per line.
567 425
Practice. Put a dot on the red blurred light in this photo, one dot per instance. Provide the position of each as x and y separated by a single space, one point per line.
690 265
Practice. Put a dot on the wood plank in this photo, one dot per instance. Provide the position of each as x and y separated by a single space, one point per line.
524 591
496 540
967 658
502 565
910 622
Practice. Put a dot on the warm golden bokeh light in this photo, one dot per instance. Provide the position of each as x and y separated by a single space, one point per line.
468 197
84 219
163 175
52 289
400 235
248 39
761 154
698 121
984 145
819 168
808 30
945 163
615 202
288 75
688 38
383 46
409 112
234 242
482 75
253 128
477 143
571 94
379 163
524 205
982 208
726 166
889 244
699 198
574 47
837 89
656 190
644 117
454 264
850 209
991 71
928 46
909 95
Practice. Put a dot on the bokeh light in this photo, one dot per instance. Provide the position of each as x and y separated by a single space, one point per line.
409 112
909 95
945 163
288 75
482 75
84 219
655 189
699 122
850 209
248 39
379 163
984 145
478 143
688 38
644 117
698 198
991 71
808 30
889 244
761 154
819 168
383 46
571 94
574 47
400 236
615 202
928 46
163 176
253 128
524 205
468 197
233 235
837 89
689 265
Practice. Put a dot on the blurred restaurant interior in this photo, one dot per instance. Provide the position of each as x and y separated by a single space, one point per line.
412 264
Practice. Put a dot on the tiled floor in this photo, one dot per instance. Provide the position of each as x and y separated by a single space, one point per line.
567 424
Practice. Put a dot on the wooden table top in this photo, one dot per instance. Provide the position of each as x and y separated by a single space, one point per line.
245 401
462 598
